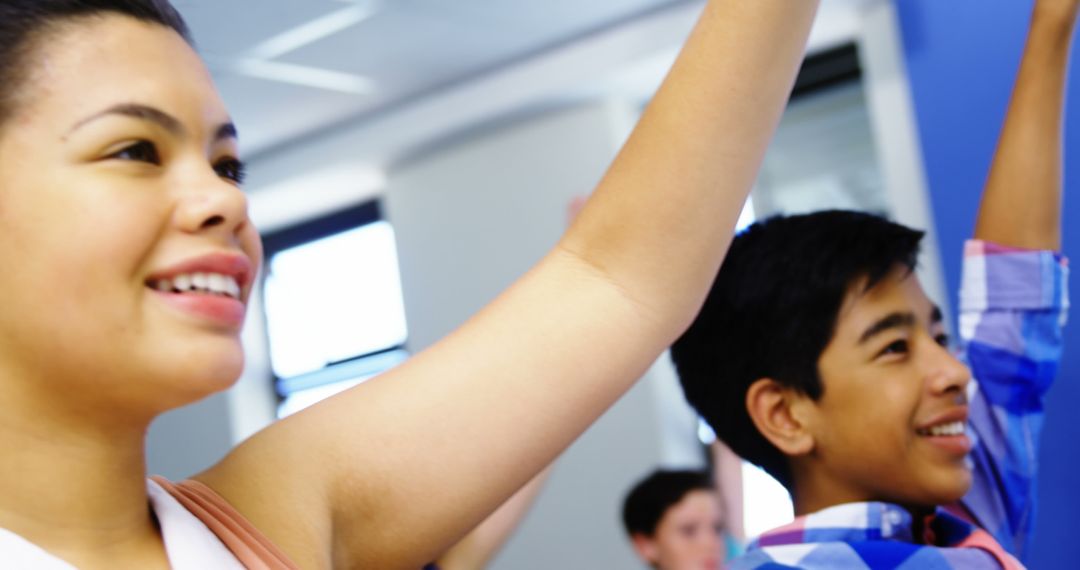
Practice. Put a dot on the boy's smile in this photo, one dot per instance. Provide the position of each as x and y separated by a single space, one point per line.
890 425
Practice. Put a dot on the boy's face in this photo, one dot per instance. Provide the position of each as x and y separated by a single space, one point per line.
687 536
890 425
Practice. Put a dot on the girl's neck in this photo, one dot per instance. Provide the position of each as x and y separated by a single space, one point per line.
76 489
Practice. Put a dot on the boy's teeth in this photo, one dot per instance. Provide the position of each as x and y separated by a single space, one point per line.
954 428
201 282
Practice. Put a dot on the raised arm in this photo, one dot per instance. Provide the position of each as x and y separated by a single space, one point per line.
1012 303
476 550
1021 204
727 475
393 472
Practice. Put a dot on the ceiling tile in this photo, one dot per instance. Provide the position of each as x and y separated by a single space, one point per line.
228 28
408 48
268 113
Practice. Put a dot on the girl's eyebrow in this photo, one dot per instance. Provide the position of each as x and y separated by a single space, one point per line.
226 131
156 116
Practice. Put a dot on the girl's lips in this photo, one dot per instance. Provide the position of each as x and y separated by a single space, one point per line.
234 265
222 311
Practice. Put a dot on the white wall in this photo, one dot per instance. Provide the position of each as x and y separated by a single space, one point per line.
187 440
472 216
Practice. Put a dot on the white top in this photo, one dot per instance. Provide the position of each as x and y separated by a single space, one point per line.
189 544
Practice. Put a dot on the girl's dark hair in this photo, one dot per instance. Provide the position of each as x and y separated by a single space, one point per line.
773 309
24 23
647 502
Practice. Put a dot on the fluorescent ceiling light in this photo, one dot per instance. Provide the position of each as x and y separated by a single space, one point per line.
314 30
304 75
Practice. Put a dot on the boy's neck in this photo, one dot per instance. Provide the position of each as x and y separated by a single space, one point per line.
811 494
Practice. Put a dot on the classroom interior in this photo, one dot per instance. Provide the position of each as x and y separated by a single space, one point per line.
410 159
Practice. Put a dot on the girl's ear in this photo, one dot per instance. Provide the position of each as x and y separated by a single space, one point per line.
646 548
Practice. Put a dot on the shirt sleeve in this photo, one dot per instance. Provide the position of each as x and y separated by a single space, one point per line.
1012 309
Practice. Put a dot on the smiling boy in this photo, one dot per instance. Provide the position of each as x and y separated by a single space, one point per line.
819 357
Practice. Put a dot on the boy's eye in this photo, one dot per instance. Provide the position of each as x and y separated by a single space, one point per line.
231 169
895 347
141 151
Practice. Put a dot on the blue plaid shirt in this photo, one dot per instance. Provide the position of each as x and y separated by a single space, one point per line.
1012 309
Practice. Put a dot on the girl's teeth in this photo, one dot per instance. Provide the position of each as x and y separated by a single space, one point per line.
215 283
182 283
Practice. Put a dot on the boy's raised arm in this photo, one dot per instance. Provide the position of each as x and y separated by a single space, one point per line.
1012 304
1021 204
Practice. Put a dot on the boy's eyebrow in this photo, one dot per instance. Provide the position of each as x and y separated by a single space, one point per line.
891 321
156 116
936 316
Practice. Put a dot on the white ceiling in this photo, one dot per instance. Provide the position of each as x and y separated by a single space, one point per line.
328 93
288 68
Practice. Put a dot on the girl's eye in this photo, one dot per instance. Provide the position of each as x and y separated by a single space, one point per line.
141 151
895 347
231 169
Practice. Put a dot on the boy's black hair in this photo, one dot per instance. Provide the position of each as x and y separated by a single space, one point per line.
773 310
651 497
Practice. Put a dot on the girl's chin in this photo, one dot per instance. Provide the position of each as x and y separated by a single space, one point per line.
200 377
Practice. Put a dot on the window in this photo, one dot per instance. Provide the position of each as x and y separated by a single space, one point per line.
334 310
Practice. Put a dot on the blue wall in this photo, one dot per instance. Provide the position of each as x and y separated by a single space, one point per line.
962 57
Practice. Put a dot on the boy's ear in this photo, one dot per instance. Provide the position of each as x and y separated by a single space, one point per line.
645 547
780 414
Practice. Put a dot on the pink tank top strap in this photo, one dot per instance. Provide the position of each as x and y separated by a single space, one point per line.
250 547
